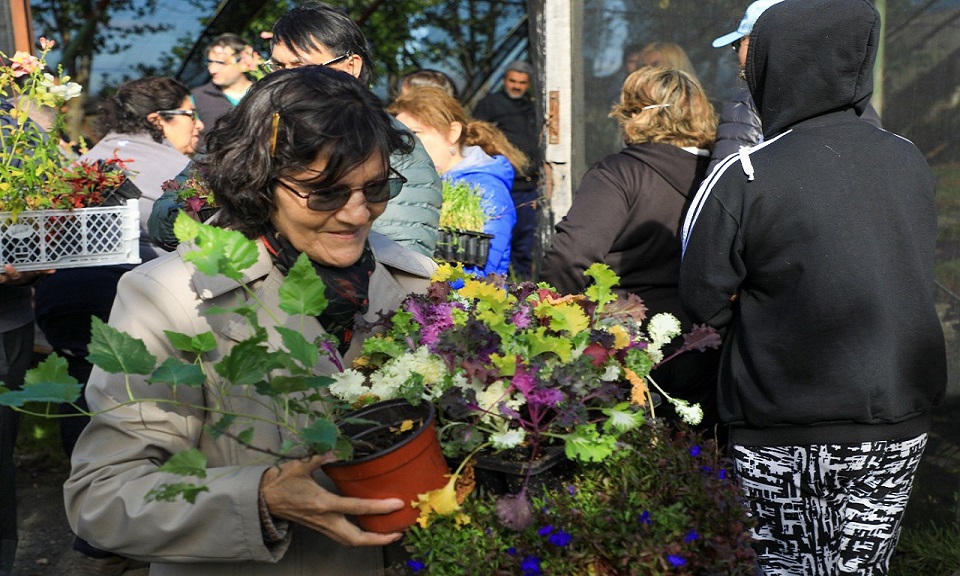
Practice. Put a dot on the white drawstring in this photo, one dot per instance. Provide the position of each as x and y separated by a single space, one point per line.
744 154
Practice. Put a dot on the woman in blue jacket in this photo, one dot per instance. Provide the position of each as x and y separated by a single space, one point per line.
471 151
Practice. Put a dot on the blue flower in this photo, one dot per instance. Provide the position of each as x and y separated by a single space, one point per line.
676 560
706 470
512 551
545 530
694 451
645 517
561 538
416 565
691 536
723 474
457 284
530 566
571 490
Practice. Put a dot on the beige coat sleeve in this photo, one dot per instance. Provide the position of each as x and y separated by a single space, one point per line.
116 460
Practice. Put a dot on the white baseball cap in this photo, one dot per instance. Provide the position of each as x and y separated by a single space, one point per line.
746 25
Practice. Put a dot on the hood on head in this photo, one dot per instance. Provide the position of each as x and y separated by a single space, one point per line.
810 57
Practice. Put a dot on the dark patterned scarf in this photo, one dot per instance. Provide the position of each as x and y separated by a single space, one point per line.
347 289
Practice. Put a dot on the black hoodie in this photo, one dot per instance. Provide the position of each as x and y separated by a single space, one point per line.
814 251
627 213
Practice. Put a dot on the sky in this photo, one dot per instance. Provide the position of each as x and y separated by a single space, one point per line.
148 48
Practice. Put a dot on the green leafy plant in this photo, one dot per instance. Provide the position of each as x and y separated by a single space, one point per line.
282 377
927 549
462 207
32 175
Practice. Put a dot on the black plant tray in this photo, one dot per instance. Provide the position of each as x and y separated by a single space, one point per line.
504 473
467 247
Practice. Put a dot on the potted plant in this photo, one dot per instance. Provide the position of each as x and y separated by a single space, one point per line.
197 198
282 377
53 215
461 238
517 367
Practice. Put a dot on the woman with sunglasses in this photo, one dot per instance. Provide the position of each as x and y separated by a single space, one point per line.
302 167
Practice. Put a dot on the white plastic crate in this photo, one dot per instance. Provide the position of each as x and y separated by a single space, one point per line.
42 239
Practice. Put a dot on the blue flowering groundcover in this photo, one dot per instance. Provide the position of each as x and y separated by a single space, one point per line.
664 503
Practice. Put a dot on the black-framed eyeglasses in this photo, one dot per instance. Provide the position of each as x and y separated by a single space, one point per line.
192 113
273 66
336 197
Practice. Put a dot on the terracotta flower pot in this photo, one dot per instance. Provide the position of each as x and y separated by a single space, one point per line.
412 466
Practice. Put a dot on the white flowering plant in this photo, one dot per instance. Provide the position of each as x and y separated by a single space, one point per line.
518 365
33 172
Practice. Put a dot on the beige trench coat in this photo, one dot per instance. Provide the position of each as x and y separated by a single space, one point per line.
116 459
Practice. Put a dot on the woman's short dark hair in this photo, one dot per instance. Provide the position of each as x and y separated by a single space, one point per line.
285 123
126 111
306 27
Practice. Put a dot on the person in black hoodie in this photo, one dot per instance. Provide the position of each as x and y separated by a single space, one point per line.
628 209
814 252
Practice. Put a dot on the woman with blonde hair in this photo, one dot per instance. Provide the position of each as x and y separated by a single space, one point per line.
628 210
467 150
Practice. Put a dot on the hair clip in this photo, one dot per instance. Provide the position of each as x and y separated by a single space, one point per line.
275 125
651 106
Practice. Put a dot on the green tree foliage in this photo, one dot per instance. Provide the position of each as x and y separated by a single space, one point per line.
85 28
463 35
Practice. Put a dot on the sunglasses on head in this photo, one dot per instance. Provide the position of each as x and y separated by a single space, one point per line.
337 196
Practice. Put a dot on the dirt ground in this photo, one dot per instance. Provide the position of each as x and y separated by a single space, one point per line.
46 542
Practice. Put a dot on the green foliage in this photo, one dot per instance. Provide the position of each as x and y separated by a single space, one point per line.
466 35
284 376
117 352
175 372
31 163
932 550
219 251
462 206
302 294
662 503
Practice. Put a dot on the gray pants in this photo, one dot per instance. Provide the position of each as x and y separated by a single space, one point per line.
827 509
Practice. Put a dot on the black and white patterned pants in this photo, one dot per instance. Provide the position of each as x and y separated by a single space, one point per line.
830 508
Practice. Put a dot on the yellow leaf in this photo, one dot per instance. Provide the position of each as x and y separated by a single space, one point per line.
621 338
440 501
406 425
568 316
638 387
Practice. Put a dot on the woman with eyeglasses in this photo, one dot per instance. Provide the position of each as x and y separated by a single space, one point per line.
302 168
151 124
